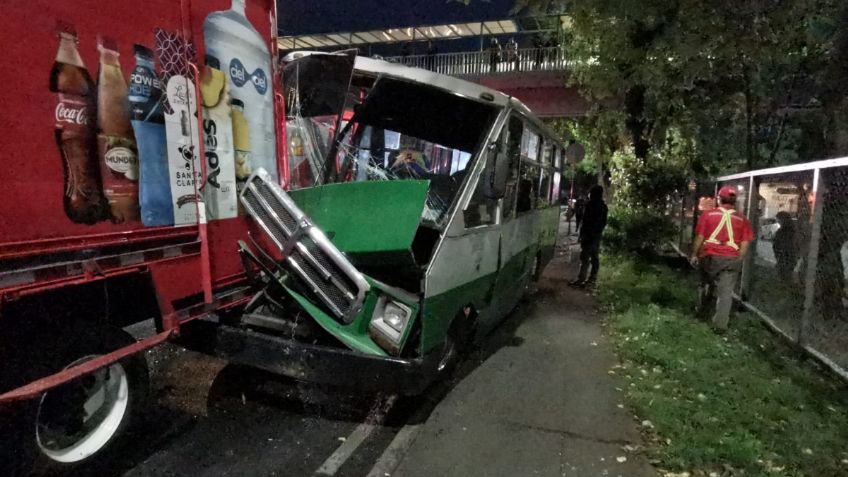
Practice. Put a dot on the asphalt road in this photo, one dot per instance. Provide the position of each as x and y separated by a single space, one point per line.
534 399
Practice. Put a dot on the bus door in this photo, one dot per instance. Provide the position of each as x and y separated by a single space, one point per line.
513 262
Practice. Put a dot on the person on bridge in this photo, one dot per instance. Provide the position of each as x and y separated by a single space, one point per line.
512 55
722 238
594 221
432 51
494 54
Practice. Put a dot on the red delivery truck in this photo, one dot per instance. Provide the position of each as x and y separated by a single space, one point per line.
126 135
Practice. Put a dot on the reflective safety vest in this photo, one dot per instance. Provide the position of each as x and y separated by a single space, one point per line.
726 219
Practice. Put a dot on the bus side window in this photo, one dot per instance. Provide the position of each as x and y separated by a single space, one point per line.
544 189
545 176
513 153
528 170
528 187
480 210
556 186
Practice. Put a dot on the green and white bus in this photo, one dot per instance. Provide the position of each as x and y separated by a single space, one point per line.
416 208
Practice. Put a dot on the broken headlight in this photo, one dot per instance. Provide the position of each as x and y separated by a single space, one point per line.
389 323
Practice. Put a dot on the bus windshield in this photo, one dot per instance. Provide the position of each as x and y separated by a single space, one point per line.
401 130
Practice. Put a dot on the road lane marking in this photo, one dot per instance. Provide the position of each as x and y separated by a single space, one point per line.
375 417
344 451
395 452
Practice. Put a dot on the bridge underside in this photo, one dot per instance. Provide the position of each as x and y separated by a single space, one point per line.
544 92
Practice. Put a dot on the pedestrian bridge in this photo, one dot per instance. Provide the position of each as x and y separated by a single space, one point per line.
536 76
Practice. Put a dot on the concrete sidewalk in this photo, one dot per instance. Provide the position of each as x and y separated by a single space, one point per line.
540 403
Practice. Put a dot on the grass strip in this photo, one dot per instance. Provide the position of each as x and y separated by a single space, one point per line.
744 403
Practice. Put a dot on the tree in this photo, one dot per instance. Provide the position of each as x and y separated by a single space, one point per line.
734 78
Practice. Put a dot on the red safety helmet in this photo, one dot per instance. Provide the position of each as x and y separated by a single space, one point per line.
727 192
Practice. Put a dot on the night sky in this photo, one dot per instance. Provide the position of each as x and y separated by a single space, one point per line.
301 17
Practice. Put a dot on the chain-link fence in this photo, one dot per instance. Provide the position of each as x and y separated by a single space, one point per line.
796 274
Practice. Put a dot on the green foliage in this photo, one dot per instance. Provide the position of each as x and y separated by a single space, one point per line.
645 184
638 230
741 81
588 166
738 404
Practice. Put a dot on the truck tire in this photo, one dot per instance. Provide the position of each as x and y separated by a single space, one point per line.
82 423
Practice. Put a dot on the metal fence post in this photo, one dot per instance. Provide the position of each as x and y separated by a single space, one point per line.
812 256
747 263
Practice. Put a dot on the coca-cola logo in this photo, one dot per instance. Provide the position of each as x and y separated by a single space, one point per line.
72 113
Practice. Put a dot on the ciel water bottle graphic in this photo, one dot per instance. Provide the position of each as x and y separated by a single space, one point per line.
243 55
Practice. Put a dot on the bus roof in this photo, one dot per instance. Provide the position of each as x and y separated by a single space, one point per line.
450 83
458 86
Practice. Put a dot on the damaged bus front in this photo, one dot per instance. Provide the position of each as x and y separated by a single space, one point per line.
405 231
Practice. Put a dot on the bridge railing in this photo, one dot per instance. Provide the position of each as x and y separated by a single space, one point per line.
487 62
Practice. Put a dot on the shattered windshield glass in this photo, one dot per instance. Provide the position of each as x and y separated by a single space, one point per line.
388 129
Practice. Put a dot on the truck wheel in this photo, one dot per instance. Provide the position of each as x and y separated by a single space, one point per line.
85 421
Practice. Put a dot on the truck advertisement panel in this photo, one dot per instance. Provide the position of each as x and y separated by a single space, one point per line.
101 132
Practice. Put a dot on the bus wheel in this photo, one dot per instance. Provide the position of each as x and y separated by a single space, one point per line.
536 270
450 356
85 421
458 341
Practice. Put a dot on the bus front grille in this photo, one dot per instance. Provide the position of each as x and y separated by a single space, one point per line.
322 269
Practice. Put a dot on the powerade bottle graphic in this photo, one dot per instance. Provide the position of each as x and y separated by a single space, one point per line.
145 96
146 89
243 55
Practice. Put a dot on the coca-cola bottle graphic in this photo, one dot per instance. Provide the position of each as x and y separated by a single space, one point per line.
75 130
116 143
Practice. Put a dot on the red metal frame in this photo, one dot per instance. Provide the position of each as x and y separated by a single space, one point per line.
173 256
10 250
39 386
205 264
279 106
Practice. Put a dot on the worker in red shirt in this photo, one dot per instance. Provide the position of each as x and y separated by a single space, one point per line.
722 238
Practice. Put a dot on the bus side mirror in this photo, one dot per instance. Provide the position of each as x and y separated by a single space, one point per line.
496 172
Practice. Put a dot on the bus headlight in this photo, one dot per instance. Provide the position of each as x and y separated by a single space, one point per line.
389 323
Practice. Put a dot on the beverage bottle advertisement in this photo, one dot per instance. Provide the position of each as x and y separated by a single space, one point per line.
116 145
95 147
241 143
145 97
243 55
219 191
75 130
182 139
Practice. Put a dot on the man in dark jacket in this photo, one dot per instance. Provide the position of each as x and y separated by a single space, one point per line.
579 210
594 221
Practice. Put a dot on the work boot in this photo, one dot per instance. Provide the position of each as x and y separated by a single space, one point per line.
577 283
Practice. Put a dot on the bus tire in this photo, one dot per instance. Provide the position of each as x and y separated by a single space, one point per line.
536 271
459 340
83 423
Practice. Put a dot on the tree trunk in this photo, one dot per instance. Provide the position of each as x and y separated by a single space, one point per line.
634 106
835 96
749 121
